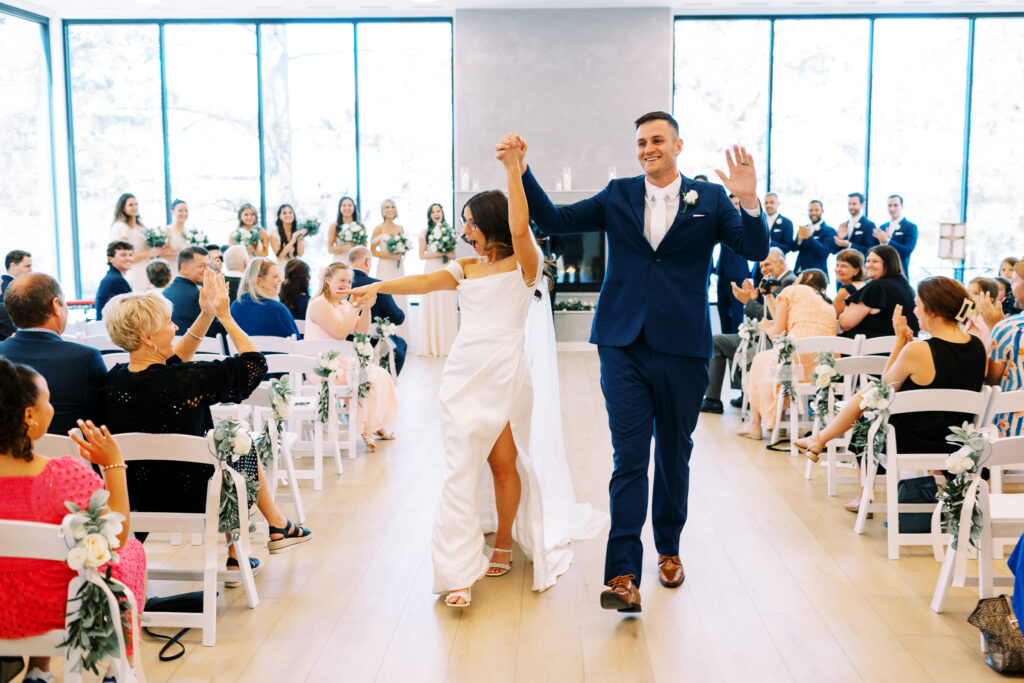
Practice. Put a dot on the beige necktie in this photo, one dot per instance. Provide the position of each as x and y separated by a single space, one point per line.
658 217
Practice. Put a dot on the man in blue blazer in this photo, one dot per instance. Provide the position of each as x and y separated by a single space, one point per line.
385 307
75 373
183 292
814 241
653 331
120 256
780 231
732 269
898 232
858 232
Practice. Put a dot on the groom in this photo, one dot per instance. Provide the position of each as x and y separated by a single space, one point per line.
652 330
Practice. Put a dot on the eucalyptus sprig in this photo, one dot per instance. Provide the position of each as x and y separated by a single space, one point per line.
784 350
875 404
964 465
825 377
231 441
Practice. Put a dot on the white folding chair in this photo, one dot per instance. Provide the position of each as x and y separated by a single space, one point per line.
871 346
38 541
760 345
301 324
920 400
183 448
1003 402
93 328
314 347
266 344
214 345
100 342
112 359
1002 517
263 414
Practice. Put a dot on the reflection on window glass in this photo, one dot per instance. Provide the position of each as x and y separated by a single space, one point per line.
115 95
819 107
917 128
995 204
721 94
309 123
212 122
405 123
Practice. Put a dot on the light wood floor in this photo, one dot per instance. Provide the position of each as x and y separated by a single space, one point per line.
778 586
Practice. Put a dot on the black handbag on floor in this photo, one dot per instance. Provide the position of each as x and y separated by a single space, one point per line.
917 490
185 602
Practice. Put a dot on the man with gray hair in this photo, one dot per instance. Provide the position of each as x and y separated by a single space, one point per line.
236 260
385 307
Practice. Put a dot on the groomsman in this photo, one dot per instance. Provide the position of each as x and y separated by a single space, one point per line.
780 231
858 232
814 241
898 232
732 269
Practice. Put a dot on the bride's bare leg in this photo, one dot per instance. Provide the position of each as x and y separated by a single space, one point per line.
507 490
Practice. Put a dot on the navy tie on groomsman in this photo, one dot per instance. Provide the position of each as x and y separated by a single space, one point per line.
814 241
858 232
898 232
780 231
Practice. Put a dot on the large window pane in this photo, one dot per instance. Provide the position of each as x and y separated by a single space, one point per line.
212 122
917 127
309 123
26 175
721 94
405 122
819 108
995 203
118 144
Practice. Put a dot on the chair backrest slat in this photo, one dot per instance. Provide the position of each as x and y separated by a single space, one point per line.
174 447
950 400
31 540
874 345
1005 452
313 347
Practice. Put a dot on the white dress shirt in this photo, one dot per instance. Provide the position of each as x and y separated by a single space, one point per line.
894 226
671 205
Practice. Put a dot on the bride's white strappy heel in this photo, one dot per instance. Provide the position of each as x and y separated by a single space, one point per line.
462 594
503 566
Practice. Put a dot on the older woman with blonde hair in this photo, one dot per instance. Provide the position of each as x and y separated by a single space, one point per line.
258 310
332 316
161 390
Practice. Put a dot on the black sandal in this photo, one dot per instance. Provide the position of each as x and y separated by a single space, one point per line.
291 535
254 565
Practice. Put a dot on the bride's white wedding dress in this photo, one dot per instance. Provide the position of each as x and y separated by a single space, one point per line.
485 385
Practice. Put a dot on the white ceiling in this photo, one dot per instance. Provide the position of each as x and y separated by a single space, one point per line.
412 8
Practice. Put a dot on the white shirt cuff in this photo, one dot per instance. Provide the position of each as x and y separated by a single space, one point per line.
755 213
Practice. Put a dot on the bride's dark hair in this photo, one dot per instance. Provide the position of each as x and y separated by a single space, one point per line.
490 213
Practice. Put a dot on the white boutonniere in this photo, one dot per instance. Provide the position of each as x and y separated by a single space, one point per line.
778 221
690 200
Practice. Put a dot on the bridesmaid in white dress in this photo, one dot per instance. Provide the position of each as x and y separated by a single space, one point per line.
128 226
289 242
486 398
439 318
176 233
389 266
348 212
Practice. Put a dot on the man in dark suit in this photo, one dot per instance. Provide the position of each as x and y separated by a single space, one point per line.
898 232
653 330
120 257
16 263
75 373
858 232
183 292
235 263
780 231
385 307
732 269
814 241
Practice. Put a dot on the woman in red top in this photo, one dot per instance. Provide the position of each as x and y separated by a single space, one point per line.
33 593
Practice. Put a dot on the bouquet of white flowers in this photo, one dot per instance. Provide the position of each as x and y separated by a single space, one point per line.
875 404
364 352
784 350
331 368
232 441
194 237
825 377
384 328
311 226
964 465
441 239
397 244
352 233
155 237
247 237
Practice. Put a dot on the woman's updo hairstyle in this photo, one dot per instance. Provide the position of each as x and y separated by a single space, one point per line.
18 391
490 214
946 298
816 280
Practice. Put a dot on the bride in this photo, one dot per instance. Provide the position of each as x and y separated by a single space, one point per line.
487 403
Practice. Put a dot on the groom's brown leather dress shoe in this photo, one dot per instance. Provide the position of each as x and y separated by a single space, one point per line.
622 594
670 571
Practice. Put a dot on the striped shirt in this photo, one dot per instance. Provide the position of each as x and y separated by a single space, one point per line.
1007 348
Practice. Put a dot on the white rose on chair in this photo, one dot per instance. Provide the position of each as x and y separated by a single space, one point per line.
960 461
824 373
282 409
97 550
242 443
76 558
112 528
873 400
364 349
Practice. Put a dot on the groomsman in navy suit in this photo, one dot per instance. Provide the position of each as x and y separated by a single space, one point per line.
653 332
780 231
732 269
858 232
898 232
814 241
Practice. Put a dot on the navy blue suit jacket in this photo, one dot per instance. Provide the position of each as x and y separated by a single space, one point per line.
385 307
75 374
903 240
731 266
862 237
814 251
663 291
781 234
112 284
184 297
5 280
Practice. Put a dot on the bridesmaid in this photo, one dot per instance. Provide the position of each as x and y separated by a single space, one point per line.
176 232
390 265
439 319
348 212
128 226
288 243
247 218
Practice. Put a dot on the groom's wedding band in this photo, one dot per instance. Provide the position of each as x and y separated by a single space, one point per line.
744 164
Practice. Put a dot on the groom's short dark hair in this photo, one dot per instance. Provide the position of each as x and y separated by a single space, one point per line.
658 116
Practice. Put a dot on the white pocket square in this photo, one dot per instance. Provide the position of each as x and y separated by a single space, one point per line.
698 215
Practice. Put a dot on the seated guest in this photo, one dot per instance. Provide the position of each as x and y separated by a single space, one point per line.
236 260
814 241
257 311
295 288
1005 367
869 310
949 359
161 390
159 275
359 258
776 277
216 257
16 263
34 593
75 373
331 316
1005 294
801 311
850 277
183 292
120 257
7 328
1006 267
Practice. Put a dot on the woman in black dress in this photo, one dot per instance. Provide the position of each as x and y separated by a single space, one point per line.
869 310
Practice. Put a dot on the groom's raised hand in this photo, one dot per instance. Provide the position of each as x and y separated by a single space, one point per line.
742 179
